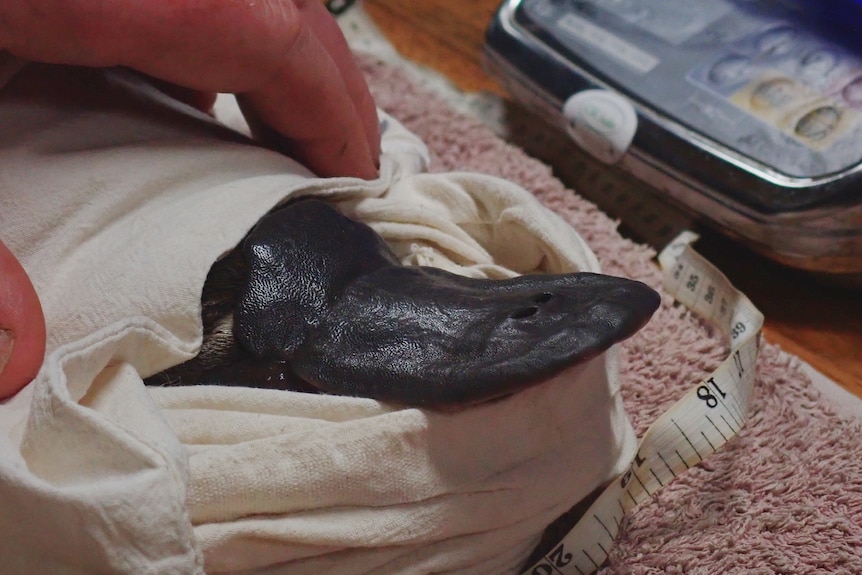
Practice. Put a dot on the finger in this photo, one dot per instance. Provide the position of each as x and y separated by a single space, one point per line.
264 51
308 101
327 31
22 327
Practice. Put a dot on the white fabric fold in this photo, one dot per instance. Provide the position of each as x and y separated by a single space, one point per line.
117 201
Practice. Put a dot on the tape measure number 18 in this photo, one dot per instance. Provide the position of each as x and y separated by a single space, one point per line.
703 420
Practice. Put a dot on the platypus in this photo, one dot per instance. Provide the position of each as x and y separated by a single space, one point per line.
312 300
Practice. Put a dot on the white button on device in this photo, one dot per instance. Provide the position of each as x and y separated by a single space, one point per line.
602 123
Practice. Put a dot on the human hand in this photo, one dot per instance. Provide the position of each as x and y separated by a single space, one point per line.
22 327
286 60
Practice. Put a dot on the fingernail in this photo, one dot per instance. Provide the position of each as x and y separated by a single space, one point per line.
7 342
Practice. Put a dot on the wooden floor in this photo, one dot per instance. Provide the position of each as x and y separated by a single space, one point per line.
819 323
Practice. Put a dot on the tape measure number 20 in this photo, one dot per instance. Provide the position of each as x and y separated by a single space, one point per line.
704 419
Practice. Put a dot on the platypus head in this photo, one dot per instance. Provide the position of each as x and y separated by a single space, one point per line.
326 298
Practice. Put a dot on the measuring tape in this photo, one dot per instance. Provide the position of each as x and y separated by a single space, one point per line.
706 417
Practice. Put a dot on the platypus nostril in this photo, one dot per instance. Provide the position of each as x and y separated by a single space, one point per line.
543 297
524 312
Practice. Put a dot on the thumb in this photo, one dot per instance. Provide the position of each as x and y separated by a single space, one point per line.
22 327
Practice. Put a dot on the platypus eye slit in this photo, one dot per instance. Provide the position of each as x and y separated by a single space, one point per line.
543 297
524 313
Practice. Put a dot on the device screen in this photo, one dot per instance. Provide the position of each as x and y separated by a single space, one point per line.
772 80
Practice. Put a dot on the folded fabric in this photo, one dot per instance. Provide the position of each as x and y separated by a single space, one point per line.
117 201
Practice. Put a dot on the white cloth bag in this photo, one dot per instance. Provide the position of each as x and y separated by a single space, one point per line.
117 202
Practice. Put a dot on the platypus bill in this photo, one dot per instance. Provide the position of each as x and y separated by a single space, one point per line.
314 301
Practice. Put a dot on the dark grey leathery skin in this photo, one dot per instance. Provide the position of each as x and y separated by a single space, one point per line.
314 301
300 259
326 300
426 337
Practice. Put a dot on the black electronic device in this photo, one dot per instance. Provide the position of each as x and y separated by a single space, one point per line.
746 113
